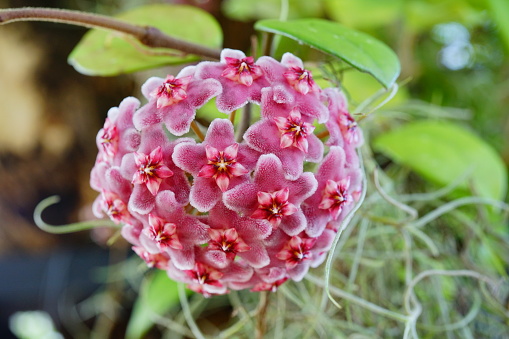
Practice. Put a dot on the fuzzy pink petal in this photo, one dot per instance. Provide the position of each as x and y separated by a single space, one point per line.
231 151
142 201
207 171
223 180
220 134
257 256
204 194
190 157
146 116
281 196
242 198
293 224
150 86
237 169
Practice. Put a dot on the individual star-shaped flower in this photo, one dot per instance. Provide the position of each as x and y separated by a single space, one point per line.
274 206
217 164
158 260
115 208
108 139
300 78
174 100
228 241
243 71
251 232
115 192
205 280
294 131
172 91
148 170
292 85
295 251
342 127
289 137
269 178
241 79
272 287
116 137
338 185
176 233
222 165
335 195
151 169
159 235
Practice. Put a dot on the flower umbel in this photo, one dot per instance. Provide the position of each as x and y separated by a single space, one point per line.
243 205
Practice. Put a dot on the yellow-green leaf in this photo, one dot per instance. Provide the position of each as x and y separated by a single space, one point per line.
442 151
108 53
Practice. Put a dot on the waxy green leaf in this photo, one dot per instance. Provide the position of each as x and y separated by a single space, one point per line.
158 294
442 152
358 49
108 53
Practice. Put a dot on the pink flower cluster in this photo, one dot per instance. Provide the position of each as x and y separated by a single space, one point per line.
220 214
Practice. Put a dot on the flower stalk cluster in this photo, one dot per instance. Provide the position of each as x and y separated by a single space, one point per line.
218 214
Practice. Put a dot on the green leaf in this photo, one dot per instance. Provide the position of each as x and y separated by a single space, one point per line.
360 50
158 294
442 152
108 53
500 12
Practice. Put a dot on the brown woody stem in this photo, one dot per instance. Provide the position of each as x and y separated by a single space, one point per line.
147 35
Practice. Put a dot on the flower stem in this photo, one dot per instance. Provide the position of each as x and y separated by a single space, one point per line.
323 134
261 315
147 35
245 121
232 117
69 228
197 131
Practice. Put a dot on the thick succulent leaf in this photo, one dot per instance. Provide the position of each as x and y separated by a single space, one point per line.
108 53
442 152
360 50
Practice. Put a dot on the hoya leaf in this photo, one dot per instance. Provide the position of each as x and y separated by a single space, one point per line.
158 294
108 53
500 10
360 50
442 152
